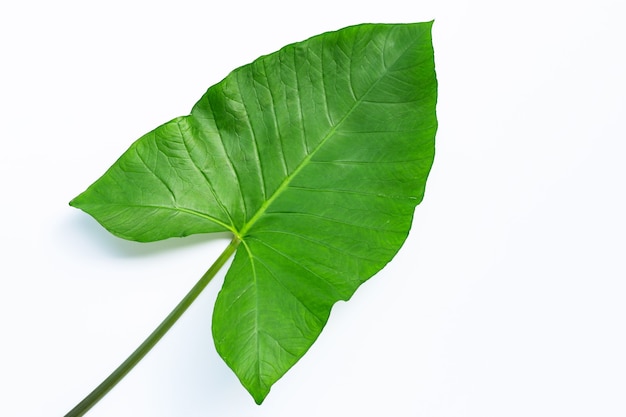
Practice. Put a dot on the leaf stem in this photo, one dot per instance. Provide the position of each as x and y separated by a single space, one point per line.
117 375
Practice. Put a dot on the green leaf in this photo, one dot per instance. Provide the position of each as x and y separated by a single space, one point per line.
314 157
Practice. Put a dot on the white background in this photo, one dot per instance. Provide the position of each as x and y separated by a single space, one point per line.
508 298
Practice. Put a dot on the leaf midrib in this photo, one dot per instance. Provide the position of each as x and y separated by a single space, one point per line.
285 183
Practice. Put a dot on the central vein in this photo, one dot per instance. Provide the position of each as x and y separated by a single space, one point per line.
285 183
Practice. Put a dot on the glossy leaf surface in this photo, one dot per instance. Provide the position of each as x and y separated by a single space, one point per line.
314 157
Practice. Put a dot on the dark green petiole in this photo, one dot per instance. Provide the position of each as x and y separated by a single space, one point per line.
106 385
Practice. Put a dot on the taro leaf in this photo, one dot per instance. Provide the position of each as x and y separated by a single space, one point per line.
314 157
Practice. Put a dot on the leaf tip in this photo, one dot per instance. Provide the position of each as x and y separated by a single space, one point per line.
75 202
258 393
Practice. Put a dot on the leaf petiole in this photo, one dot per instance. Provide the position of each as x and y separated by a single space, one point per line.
121 371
